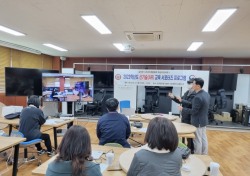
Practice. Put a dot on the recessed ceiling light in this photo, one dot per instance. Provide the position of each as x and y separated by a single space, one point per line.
11 31
96 23
218 19
194 46
54 47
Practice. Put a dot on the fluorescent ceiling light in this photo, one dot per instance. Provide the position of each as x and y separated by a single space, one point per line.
218 19
54 47
119 46
194 46
96 23
10 31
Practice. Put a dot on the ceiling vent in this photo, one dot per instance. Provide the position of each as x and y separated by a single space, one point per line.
144 36
19 47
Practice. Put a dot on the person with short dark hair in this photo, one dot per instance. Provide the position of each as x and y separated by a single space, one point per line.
160 155
31 120
199 116
74 155
113 127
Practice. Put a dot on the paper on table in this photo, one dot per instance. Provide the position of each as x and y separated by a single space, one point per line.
103 167
143 130
96 154
53 121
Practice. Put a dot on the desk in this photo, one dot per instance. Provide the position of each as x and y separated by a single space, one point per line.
41 170
8 142
149 116
183 129
197 163
55 126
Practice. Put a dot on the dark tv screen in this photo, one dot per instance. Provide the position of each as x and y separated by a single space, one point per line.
24 81
103 79
227 81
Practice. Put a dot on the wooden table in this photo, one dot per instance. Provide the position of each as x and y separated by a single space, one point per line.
183 129
149 116
197 163
8 142
55 126
41 170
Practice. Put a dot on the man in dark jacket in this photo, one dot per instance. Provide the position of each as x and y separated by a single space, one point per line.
113 127
199 116
186 101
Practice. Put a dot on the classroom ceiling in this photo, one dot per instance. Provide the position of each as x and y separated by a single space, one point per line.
181 22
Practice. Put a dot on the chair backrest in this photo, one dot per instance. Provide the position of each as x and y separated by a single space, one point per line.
124 104
99 97
113 145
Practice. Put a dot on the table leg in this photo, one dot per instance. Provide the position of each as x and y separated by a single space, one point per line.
55 137
15 164
10 129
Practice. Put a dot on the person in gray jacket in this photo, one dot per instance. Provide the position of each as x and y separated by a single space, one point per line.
199 116
74 158
160 156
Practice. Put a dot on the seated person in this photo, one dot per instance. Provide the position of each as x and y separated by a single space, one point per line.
74 155
31 120
113 127
161 150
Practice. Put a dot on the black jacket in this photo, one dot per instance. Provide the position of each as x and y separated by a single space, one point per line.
186 103
31 120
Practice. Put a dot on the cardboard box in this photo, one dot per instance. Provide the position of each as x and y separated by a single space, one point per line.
224 117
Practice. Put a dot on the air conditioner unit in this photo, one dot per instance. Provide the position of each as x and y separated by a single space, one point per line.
19 47
144 36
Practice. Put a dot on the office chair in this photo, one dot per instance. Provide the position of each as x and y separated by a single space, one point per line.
96 105
25 146
216 104
152 102
113 145
124 104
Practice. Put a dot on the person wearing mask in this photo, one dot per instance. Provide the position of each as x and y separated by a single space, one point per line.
160 155
199 116
74 155
186 102
113 127
31 120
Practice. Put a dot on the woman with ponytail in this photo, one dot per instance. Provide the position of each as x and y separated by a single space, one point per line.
74 155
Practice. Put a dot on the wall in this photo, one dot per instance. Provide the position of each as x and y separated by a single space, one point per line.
242 90
15 58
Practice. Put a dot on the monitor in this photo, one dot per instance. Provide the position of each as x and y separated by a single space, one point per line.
67 87
24 81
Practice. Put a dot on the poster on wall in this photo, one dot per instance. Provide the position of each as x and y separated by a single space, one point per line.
167 78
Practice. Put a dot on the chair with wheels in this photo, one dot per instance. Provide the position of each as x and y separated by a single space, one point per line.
95 107
152 102
25 145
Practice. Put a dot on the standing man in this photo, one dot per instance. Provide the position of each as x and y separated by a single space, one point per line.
199 116
113 127
186 102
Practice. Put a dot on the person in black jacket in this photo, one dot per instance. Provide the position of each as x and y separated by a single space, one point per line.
186 101
31 120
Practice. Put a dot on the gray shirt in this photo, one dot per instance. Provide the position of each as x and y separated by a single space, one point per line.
147 162
64 168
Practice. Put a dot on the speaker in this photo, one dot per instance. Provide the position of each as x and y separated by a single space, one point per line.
62 58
